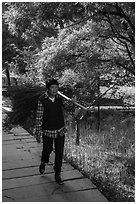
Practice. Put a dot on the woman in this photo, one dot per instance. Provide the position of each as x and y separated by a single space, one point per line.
50 126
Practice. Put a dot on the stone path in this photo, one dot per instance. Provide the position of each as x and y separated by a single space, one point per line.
21 181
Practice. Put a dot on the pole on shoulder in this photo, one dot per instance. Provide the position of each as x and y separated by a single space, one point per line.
69 99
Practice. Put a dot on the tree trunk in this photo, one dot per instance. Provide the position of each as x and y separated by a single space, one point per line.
77 132
8 75
98 126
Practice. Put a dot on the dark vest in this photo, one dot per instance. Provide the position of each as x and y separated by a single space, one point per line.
53 118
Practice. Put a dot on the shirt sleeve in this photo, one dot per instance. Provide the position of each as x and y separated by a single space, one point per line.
39 116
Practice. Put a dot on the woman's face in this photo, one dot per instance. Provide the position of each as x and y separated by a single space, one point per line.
53 89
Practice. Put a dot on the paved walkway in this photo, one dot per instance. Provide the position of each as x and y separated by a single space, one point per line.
23 183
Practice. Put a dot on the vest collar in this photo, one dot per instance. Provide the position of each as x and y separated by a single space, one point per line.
47 96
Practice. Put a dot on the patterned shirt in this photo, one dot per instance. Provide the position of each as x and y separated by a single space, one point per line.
49 133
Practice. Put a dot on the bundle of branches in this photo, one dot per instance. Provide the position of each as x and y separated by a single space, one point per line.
24 100
24 104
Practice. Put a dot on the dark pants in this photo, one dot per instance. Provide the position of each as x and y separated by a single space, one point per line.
48 147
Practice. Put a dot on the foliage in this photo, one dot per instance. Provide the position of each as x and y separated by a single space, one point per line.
11 44
120 20
37 20
107 157
81 52
28 23
24 103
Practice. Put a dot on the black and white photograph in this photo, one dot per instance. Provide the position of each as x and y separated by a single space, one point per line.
68 101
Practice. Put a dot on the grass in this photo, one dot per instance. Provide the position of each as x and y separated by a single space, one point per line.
106 157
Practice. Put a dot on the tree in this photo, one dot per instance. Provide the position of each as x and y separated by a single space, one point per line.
80 49
26 24
120 20
11 47
31 22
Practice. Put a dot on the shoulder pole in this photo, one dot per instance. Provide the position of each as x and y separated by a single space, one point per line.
69 99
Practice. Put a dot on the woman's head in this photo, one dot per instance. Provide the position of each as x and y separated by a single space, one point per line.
52 86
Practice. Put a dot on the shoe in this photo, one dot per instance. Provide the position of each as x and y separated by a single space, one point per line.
42 168
58 179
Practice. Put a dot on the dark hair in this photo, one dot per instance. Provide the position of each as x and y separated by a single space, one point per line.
51 82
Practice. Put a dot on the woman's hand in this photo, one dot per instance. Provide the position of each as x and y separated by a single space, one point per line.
38 136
